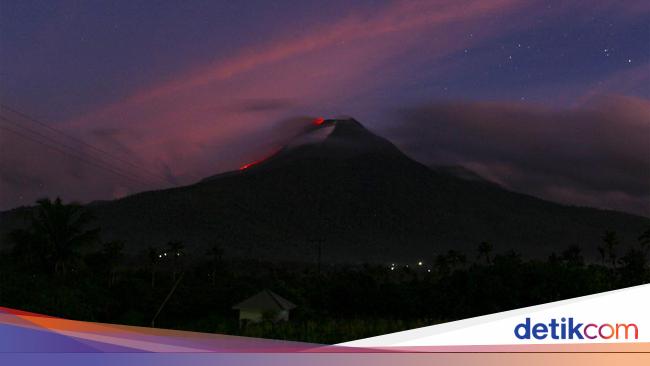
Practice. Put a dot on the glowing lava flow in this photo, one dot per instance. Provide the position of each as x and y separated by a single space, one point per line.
246 166
317 121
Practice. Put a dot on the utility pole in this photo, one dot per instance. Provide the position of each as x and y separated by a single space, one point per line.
169 295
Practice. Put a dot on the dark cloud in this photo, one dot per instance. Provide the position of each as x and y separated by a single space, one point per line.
596 155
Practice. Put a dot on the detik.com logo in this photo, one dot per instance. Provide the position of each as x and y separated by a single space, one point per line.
568 328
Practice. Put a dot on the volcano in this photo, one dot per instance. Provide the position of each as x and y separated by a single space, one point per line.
354 194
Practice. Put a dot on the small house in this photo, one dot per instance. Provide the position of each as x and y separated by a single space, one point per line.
265 305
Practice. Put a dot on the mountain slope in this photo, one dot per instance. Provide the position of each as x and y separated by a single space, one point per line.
361 198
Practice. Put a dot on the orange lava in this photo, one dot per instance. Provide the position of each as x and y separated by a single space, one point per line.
246 166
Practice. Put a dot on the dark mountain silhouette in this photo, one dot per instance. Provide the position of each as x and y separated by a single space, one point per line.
460 171
356 195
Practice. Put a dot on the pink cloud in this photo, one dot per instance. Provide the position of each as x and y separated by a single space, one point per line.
189 123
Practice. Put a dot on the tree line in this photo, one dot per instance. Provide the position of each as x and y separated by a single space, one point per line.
59 265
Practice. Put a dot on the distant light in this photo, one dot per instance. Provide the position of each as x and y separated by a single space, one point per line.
419 263
165 254
159 255
428 270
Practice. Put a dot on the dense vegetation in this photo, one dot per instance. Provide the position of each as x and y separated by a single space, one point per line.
60 266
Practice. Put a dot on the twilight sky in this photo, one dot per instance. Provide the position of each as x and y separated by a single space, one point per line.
544 97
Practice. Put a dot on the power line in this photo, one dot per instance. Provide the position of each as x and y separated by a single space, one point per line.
72 148
106 167
92 147
81 158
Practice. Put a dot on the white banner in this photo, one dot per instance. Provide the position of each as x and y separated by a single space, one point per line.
610 317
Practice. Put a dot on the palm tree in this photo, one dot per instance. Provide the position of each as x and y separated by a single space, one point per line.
644 240
573 256
57 232
176 251
484 250
610 241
